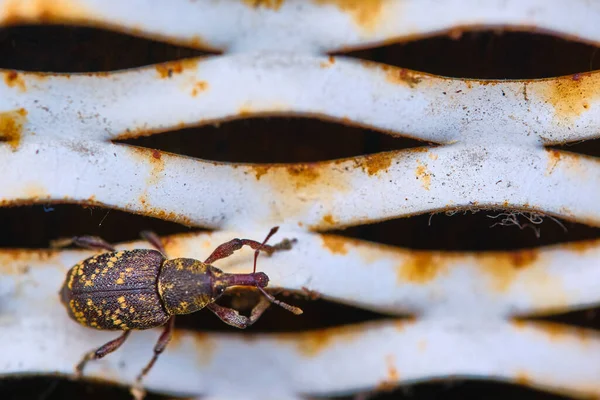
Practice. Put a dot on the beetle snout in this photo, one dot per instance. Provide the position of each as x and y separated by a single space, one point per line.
261 278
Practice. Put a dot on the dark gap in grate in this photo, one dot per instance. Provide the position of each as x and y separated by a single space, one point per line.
457 389
318 314
274 140
35 226
56 388
586 147
75 49
489 55
588 318
468 231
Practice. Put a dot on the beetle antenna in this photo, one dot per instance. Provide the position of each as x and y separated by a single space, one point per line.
272 299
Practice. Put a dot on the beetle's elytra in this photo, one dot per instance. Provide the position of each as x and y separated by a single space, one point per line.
143 289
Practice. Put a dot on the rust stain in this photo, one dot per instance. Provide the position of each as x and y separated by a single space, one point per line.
367 14
245 111
203 345
11 126
329 63
328 219
395 75
423 174
303 174
504 268
556 332
313 343
554 157
422 345
270 4
260 170
17 11
17 261
152 157
391 380
421 268
583 246
335 244
14 79
570 96
374 163
521 378
167 70
199 86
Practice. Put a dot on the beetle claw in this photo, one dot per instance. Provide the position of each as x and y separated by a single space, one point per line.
137 392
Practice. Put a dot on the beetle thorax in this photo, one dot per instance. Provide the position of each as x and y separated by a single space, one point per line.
187 285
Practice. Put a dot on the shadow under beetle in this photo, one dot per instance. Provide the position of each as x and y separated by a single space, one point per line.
143 289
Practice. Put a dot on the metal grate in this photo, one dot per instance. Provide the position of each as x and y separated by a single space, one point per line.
487 151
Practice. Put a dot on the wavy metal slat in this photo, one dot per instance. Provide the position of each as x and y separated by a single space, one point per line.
464 297
306 25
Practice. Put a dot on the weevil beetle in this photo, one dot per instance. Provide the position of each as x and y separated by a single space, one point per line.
142 289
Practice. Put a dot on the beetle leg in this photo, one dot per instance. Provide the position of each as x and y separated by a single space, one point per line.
234 318
137 391
154 240
227 249
90 242
101 352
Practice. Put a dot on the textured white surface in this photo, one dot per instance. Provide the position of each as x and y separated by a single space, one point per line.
490 135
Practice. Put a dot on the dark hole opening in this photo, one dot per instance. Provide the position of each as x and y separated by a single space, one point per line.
35 226
489 55
472 231
585 147
274 140
588 318
56 388
457 389
75 49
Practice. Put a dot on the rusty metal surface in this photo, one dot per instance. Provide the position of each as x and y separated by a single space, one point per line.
486 150
462 302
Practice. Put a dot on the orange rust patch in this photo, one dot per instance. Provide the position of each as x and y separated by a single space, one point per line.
367 14
14 79
395 75
270 4
17 261
167 70
155 157
203 345
522 378
424 175
260 170
570 96
199 86
556 332
554 157
326 64
335 244
311 343
504 268
328 219
420 268
392 378
11 126
583 246
374 163
17 11
303 174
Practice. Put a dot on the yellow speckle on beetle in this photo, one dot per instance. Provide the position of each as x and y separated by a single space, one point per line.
131 310
121 299
110 264
118 322
88 283
119 281
113 259
97 271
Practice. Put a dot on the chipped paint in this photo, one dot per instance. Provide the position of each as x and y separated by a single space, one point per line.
170 69
11 126
423 174
375 163
268 4
366 14
15 80
399 76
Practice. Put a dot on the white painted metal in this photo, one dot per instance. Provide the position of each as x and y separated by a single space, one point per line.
491 136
